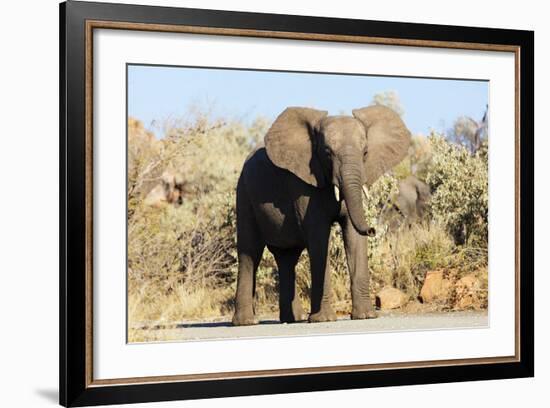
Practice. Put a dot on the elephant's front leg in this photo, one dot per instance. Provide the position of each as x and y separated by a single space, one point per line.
356 247
246 282
249 248
321 291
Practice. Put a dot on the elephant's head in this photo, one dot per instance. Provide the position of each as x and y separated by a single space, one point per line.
343 151
169 190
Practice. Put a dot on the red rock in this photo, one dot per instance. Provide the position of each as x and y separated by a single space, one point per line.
435 288
468 293
391 298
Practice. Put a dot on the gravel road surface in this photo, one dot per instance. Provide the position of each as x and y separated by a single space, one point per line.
270 327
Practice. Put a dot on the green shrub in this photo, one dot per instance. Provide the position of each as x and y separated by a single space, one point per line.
380 195
459 182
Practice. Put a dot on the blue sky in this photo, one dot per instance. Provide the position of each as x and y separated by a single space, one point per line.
156 93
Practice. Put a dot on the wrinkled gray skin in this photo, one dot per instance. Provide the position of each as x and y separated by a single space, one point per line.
286 201
410 205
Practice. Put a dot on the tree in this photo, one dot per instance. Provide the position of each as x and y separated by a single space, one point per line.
389 99
470 133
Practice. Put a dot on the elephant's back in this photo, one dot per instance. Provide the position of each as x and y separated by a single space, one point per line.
263 181
258 170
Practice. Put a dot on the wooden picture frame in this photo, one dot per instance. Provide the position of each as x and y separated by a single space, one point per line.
78 20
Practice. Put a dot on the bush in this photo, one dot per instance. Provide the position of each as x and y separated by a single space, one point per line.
179 253
380 195
417 160
459 182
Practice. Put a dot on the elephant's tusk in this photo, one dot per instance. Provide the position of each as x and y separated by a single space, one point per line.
366 192
337 193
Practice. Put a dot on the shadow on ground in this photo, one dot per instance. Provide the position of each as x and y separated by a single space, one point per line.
218 324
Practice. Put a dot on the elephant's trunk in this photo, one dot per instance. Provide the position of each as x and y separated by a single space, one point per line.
352 183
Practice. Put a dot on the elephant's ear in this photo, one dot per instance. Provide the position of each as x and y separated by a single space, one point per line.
290 143
388 140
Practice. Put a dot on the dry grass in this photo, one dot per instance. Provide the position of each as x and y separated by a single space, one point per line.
149 306
402 258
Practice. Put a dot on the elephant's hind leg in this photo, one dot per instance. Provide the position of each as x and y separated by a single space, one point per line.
290 306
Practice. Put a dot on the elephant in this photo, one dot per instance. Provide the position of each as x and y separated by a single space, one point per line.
169 190
288 197
410 205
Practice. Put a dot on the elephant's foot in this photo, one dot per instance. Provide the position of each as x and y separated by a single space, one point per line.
244 319
358 314
297 314
324 315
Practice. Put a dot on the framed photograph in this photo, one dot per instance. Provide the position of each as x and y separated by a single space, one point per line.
256 203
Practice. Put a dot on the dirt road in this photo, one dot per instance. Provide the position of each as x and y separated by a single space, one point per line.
270 327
